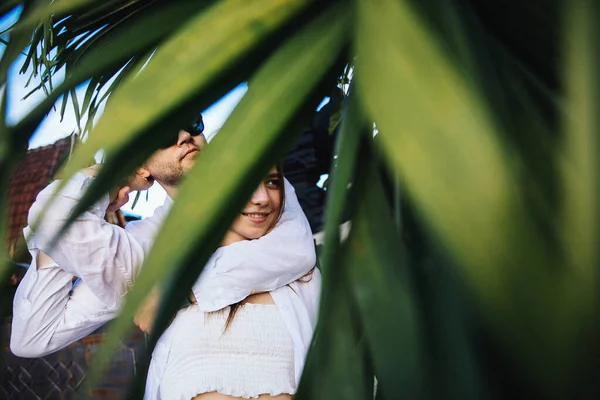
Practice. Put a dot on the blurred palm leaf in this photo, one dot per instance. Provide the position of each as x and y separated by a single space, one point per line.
381 285
338 362
337 358
493 151
468 186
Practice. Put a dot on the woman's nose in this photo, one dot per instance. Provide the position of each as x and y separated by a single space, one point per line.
260 196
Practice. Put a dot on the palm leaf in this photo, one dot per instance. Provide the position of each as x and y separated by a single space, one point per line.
380 282
135 38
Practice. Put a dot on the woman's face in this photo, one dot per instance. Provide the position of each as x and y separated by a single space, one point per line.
261 213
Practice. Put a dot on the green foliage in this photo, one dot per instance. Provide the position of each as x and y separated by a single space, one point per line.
471 267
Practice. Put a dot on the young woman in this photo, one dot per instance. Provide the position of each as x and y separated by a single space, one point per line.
252 349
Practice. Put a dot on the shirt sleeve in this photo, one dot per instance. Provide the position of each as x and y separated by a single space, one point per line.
49 313
105 256
243 268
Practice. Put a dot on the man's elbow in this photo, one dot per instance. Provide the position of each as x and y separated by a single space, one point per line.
21 347
35 211
46 222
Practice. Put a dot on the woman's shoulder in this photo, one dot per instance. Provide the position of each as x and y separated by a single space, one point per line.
308 288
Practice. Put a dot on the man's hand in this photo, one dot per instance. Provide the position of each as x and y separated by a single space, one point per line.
120 195
139 183
92 170
146 314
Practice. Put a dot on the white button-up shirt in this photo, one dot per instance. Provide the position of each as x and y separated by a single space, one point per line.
49 312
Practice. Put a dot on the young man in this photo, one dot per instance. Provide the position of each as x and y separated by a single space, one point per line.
49 312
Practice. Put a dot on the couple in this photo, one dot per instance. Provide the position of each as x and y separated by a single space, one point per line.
255 303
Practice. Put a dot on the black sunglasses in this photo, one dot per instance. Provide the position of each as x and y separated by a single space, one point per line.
194 129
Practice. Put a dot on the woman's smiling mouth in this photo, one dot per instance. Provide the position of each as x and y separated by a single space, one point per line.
257 218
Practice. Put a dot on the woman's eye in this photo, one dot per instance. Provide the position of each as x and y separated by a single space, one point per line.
273 182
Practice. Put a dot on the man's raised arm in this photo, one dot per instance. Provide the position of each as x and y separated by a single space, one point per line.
105 256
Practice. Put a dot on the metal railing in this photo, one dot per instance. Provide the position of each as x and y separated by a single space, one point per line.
59 375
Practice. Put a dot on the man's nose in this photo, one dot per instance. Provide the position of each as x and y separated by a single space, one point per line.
260 196
183 138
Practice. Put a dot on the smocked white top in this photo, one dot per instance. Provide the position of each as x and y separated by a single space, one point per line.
296 305
254 356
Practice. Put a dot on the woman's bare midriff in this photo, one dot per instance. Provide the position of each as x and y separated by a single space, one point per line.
219 396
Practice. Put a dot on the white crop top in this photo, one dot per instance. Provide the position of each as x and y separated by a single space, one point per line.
254 356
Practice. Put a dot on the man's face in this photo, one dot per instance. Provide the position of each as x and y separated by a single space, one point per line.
169 165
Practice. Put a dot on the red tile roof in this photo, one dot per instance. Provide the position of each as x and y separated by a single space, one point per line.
31 175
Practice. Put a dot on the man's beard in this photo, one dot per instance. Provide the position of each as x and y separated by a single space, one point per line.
170 176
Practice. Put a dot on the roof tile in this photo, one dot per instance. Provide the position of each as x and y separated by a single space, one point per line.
30 176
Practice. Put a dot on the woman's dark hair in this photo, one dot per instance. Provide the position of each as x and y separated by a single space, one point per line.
235 307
